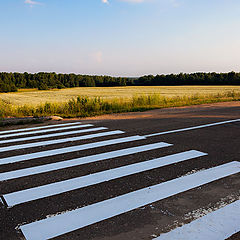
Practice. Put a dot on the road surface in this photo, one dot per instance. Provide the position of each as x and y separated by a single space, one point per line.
161 174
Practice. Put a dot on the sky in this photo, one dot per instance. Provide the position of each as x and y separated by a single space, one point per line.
119 37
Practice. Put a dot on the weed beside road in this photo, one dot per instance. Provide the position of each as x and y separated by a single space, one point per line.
85 107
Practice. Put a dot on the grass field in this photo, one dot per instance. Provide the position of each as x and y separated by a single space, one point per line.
84 102
35 97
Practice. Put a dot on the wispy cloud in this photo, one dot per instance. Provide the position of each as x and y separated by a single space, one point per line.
175 3
31 2
97 56
105 1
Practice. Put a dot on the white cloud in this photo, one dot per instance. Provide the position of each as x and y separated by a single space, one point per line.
105 1
31 2
97 56
175 3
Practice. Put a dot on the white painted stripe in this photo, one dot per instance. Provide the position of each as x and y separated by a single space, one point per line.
1 202
79 161
67 222
40 127
88 180
57 141
44 131
48 153
54 135
192 128
218 225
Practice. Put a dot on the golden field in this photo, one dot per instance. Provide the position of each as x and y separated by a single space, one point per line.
35 97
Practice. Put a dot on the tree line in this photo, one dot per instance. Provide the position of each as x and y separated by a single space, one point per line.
11 82
199 78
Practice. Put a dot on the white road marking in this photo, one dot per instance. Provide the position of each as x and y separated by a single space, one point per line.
79 161
192 128
67 222
44 131
54 135
57 141
88 180
218 225
40 127
58 151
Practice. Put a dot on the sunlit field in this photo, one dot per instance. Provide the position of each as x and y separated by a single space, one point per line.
35 97
84 102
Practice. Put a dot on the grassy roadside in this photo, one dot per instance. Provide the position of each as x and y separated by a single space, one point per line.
85 107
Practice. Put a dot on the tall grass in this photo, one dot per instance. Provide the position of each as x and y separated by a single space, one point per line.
85 107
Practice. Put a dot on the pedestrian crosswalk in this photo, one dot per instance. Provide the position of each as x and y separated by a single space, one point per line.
78 161
12 131
58 141
88 180
58 151
43 131
70 221
46 227
53 135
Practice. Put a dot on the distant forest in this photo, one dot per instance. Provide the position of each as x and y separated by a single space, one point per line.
11 82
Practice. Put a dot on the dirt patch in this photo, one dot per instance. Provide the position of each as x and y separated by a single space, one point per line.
27 120
21 121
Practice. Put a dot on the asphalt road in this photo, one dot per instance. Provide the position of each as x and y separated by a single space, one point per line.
218 144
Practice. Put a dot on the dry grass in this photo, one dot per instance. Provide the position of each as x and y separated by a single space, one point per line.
35 97
85 106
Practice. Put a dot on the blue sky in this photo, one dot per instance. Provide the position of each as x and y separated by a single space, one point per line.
120 37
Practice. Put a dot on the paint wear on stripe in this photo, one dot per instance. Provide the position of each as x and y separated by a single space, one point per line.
79 161
67 222
218 225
